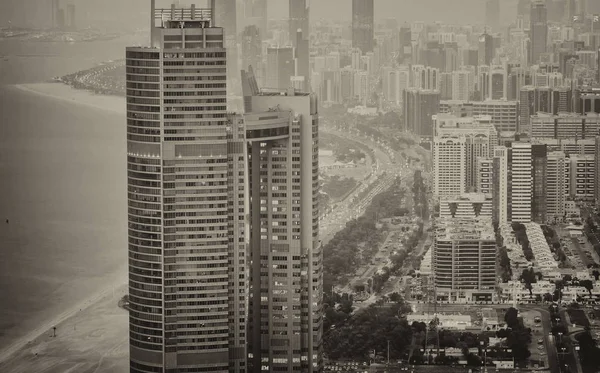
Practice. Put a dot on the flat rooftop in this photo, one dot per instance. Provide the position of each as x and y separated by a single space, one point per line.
464 229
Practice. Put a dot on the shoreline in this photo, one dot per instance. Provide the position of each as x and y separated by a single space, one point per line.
67 94
21 343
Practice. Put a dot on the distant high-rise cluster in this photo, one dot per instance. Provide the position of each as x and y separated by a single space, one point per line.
63 18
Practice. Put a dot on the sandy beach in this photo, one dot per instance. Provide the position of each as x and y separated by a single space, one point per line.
88 297
63 92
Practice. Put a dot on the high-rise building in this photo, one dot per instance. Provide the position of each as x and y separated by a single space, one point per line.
286 279
299 19
480 139
565 126
539 163
538 34
464 259
486 49
492 14
226 13
500 184
419 108
449 165
462 85
71 22
498 83
557 186
363 25
302 54
361 87
221 277
484 177
597 171
425 77
520 182
582 177
255 14
186 311
252 51
281 66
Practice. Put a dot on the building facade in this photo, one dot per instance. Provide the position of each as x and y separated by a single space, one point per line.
224 256
363 25
464 259
521 182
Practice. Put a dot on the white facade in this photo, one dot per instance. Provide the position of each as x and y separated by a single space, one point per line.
449 165
522 182
565 126
500 184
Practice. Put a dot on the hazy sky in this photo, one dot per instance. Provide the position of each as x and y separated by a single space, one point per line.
453 11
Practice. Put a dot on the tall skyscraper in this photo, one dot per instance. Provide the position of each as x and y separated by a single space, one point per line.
363 25
419 108
286 280
521 182
252 51
500 185
486 49
539 164
188 264
538 34
224 256
302 54
597 171
299 20
557 186
226 13
281 67
449 165
492 14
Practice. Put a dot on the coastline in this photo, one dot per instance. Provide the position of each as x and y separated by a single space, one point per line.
112 282
21 343
67 94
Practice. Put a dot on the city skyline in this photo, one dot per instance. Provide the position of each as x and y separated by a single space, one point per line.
300 186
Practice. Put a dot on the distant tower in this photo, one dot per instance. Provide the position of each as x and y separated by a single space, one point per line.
492 14
55 5
71 24
538 33
363 18
299 20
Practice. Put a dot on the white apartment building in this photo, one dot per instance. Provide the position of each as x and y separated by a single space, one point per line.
449 165
480 135
500 184
522 182
565 125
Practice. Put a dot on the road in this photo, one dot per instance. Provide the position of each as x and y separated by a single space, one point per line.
385 172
